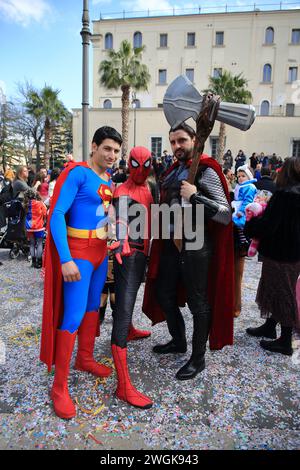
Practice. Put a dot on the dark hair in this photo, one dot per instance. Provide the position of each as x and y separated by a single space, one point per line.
265 171
106 132
289 174
226 170
39 177
184 127
29 195
54 174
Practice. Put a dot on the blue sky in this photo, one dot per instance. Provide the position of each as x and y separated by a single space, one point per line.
40 39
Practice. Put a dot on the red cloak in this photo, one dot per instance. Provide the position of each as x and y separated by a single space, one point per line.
220 278
53 293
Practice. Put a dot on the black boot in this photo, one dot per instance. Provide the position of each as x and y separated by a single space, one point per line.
38 263
282 345
33 262
170 348
197 361
176 329
268 329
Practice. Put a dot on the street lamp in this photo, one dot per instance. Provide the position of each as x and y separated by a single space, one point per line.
85 34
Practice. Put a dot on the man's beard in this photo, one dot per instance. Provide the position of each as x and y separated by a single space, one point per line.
184 155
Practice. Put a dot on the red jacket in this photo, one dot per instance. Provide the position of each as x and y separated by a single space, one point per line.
35 216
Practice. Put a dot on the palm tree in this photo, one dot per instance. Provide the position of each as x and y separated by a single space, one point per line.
45 105
54 112
231 88
123 69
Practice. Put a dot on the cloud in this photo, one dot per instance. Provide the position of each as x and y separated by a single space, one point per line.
24 11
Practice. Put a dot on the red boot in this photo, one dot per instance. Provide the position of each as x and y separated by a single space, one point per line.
62 403
134 334
125 390
86 340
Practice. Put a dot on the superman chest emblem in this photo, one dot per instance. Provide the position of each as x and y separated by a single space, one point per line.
105 193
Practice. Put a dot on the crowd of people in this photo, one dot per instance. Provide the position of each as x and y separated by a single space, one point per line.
265 199
32 193
250 206
256 162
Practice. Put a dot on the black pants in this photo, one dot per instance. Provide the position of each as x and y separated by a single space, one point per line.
190 268
128 278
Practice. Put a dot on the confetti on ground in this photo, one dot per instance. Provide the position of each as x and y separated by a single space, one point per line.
246 398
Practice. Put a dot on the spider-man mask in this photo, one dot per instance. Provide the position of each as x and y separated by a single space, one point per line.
139 164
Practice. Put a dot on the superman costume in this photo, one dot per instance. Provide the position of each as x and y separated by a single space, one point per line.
77 228
129 264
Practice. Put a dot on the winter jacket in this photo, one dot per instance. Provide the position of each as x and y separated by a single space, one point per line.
266 183
246 194
278 229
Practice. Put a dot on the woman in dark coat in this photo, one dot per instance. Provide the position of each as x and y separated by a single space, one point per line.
278 231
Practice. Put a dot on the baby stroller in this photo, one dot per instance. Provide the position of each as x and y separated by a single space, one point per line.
15 235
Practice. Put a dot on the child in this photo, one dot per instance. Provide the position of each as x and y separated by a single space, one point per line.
244 195
36 213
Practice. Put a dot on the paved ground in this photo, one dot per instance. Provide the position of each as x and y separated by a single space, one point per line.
245 399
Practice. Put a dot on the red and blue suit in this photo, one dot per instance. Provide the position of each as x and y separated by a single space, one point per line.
77 231
131 251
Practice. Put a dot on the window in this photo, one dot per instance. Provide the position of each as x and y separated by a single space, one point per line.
269 37
296 148
290 109
190 74
163 40
108 41
107 104
191 39
267 73
265 108
214 144
219 38
136 103
293 74
295 36
217 73
137 39
156 146
162 77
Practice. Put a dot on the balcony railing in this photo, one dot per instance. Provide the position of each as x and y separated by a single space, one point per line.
225 8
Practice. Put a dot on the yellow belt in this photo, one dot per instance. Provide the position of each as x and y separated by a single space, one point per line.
100 233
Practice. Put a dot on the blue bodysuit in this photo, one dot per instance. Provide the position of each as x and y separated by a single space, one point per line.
79 212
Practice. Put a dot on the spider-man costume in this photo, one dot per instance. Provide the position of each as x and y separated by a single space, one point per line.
129 265
77 229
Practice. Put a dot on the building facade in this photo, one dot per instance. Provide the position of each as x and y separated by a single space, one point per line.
263 46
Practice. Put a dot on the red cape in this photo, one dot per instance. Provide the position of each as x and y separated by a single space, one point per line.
220 280
53 293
